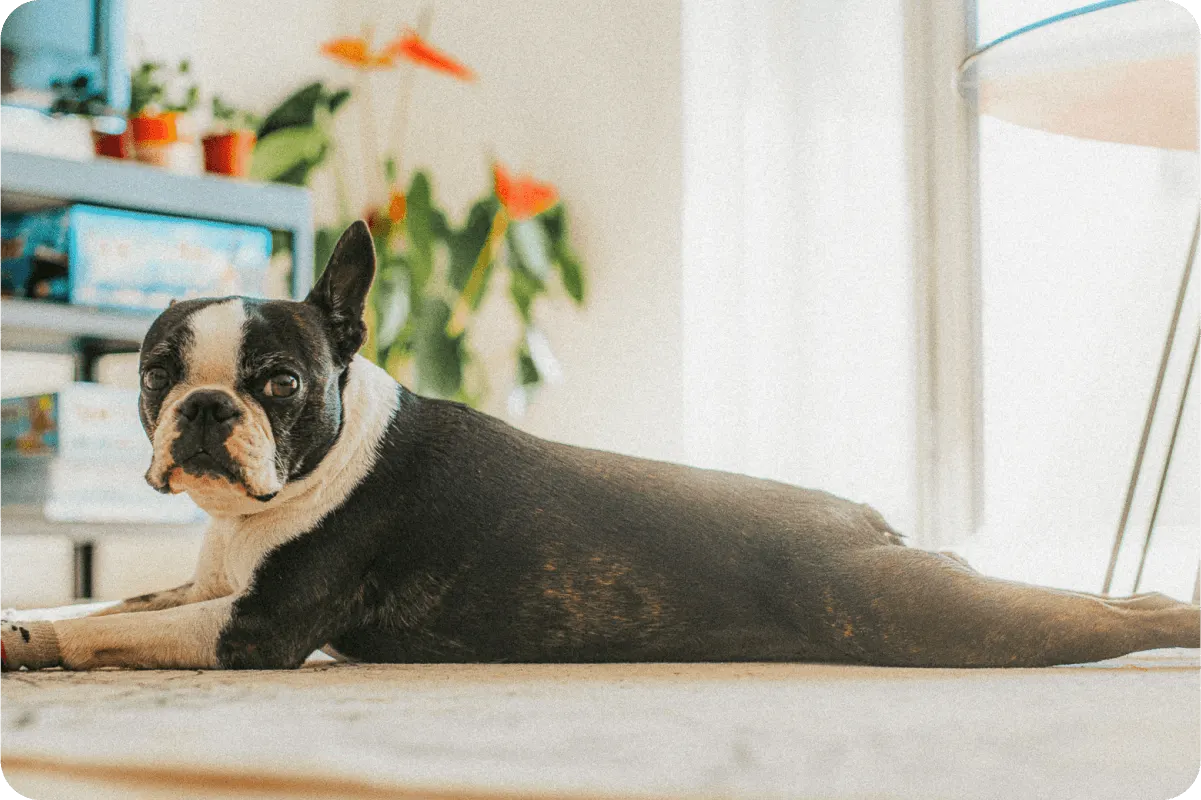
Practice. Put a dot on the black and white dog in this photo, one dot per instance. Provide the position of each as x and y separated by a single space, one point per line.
350 514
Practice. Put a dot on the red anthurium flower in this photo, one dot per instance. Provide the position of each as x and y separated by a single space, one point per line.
397 205
523 197
409 45
354 51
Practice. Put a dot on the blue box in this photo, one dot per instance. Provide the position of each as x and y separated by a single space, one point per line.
126 259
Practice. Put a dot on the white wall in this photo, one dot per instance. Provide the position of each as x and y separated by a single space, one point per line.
783 347
583 94
798 302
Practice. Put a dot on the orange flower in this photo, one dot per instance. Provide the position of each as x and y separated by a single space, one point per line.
409 45
523 197
397 205
354 51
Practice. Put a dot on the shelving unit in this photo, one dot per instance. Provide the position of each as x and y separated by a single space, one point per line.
57 327
30 182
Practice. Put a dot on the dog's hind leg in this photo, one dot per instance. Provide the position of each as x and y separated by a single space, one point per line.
1148 601
915 608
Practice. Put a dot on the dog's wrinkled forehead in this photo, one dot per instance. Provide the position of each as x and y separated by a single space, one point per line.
215 342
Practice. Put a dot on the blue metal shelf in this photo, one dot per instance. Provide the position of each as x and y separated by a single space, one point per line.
42 326
26 178
29 181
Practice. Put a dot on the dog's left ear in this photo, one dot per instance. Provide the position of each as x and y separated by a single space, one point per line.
341 292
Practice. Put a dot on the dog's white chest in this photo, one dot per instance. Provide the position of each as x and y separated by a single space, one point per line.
248 541
242 556
237 545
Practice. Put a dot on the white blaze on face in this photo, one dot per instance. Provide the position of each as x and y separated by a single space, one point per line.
211 362
217 331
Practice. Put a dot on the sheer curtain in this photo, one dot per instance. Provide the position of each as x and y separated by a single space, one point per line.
798 306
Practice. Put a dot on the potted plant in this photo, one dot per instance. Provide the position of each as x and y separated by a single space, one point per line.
229 145
156 108
79 98
435 271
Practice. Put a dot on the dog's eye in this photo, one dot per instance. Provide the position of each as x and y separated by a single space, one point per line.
155 379
282 385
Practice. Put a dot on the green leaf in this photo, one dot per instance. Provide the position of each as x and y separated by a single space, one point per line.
336 99
298 175
531 247
392 302
527 370
281 151
554 222
523 288
421 224
571 271
439 357
295 111
467 243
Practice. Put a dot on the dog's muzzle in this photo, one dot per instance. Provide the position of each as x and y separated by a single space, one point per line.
206 420
210 439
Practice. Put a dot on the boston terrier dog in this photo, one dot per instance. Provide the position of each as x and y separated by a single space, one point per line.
352 515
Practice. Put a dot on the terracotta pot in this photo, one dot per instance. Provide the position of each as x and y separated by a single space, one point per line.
229 153
155 129
113 145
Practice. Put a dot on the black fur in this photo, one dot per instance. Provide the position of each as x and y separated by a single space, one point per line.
341 291
472 541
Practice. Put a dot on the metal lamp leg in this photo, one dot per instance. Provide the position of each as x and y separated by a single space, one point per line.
1197 587
1142 444
1167 462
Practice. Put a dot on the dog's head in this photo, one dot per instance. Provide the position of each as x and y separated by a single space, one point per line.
241 396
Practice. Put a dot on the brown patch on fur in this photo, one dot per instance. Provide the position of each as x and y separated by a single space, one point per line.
599 598
828 600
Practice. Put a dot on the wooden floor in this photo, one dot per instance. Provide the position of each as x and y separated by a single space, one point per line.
1128 728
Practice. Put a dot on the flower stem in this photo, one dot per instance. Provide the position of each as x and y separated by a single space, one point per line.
404 98
462 309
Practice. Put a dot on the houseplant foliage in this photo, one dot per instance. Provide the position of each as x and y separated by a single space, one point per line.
435 272
151 88
295 138
159 99
77 96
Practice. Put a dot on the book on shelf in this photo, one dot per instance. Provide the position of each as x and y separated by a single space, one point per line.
80 455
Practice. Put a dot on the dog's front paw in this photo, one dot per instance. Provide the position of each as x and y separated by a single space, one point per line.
30 644
239 653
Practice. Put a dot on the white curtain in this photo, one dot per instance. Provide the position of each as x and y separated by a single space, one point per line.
798 320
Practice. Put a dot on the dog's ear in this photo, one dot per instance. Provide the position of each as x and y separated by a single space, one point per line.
341 292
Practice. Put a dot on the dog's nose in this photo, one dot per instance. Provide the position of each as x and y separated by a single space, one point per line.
216 406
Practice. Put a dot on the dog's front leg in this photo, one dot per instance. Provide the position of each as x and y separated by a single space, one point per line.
168 598
184 637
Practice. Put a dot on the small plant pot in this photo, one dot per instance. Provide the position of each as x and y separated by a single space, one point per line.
113 145
155 128
229 153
